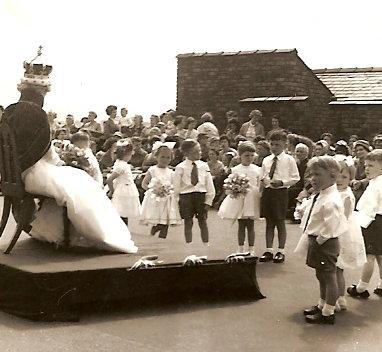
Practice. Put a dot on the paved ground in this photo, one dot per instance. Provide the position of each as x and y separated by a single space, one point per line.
272 324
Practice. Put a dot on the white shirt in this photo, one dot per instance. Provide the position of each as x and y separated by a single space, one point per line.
327 219
370 203
286 170
182 179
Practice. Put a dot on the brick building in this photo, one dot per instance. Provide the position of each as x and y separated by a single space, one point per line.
280 84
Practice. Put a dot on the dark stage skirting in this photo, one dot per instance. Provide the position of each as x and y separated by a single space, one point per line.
38 282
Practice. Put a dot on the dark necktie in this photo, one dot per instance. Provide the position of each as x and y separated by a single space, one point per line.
273 168
310 211
194 174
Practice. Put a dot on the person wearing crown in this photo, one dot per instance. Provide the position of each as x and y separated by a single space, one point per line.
94 220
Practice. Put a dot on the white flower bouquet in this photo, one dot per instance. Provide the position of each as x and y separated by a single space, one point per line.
236 185
160 189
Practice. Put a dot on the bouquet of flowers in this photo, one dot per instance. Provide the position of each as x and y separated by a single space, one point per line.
236 185
160 189
76 157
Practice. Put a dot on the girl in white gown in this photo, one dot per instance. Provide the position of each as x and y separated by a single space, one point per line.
95 221
352 247
124 192
244 209
159 206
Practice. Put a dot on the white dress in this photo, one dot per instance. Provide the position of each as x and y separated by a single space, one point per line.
352 247
247 207
160 210
126 196
95 221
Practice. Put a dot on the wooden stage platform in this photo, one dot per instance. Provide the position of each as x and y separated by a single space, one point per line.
39 282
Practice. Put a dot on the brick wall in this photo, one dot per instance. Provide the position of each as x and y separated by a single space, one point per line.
363 120
216 83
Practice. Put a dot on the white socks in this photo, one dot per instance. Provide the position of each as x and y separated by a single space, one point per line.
341 304
240 249
251 249
281 250
269 250
362 286
321 303
380 284
327 310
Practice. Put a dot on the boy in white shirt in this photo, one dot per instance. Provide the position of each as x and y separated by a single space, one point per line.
322 223
369 216
279 172
194 185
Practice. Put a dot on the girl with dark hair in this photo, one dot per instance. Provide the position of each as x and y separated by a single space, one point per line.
110 126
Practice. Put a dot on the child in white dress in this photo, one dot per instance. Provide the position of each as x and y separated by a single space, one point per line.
82 141
352 248
123 191
245 209
159 206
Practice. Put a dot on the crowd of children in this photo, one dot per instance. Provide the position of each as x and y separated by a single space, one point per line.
332 189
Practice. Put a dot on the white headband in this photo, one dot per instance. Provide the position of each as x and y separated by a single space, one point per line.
158 144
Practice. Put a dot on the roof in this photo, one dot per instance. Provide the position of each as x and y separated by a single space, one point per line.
353 84
235 53
273 99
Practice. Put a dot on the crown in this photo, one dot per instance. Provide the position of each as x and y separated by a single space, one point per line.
37 69
36 74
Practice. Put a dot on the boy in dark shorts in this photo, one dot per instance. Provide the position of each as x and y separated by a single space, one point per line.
322 223
369 216
279 172
193 182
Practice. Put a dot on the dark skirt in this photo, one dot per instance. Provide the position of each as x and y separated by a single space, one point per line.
274 203
372 236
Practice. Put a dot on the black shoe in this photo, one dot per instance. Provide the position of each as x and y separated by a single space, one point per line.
266 257
312 310
279 258
378 291
352 291
154 230
320 319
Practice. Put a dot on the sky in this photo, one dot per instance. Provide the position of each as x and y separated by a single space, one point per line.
123 52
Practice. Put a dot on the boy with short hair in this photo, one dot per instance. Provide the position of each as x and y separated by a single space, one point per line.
322 223
194 185
369 216
279 172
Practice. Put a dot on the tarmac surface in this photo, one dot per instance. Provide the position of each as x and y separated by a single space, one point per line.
272 324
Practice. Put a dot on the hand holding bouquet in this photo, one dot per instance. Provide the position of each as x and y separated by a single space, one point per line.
76 157
236 185
160 189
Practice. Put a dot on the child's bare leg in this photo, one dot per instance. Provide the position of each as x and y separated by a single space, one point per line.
251 235
282 234
163 230
203 230
379 261
341 301
188 223
331 293
241 235
340 282
331 288
367 272
322 284
269 233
